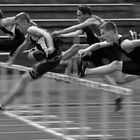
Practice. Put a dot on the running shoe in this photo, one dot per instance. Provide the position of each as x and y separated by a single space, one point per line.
81 65
118 104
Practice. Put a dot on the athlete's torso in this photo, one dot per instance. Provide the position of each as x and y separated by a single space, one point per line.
92 31
133 55
41 42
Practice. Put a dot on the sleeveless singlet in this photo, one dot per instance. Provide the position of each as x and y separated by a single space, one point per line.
134 55
92 31
57 51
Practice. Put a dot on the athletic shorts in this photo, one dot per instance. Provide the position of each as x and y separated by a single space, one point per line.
131 67
111 53
44 66
38 55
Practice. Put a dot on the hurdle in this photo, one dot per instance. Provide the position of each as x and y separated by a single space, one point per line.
104 88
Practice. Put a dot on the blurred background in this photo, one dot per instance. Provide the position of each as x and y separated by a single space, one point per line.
67 1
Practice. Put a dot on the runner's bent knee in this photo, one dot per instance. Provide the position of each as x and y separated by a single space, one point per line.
117 65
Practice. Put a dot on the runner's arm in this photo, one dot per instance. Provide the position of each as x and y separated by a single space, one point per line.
80 26
96 46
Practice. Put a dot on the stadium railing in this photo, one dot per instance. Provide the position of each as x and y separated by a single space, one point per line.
68 11
124 24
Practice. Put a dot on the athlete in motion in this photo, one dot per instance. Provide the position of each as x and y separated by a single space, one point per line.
89 25
130 48
125 71
46 52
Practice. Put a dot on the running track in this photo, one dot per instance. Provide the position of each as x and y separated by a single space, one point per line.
27 123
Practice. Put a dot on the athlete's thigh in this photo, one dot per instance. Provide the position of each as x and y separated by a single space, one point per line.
96 57
43 66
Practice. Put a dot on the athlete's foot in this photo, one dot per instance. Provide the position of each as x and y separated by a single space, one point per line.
81 65
118 104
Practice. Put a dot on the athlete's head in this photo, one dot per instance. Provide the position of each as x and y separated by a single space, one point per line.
108 31
23 21
83 12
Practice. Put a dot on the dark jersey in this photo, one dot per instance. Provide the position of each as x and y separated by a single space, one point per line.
16 34
92 31
131 66
90 35
11 44
55 53
134 55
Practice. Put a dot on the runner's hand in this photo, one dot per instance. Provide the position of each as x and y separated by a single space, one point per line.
82 52
55 33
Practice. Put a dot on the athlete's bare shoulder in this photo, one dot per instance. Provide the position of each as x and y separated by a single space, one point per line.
95 17
96 20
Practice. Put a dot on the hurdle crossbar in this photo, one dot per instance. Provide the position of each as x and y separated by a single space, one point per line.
71 79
